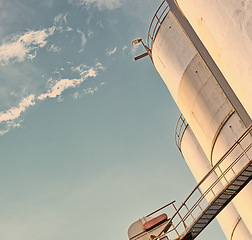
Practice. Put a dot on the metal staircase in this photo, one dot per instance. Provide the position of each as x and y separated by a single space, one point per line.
227 178
219 202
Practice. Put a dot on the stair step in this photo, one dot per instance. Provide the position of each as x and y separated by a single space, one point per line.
233 187
203 220
219 202
247 174
226 194
242 178
237 183
215 207
249 168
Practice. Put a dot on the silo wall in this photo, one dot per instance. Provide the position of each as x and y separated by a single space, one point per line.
225 28
200 99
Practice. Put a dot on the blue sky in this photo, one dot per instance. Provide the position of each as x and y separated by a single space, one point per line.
86 133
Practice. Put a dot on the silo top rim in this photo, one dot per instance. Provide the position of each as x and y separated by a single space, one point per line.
157 20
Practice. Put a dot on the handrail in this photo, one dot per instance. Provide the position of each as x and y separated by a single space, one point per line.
180 130
156 22
221 160
171 203
181 217
213 171
213 184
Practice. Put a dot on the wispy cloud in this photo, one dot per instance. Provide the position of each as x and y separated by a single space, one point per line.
14 112
90 34
21 47
24 46
61 85
54 48
11 118
83 40
92 90
87 91
100 4
82 69
110 52
61 24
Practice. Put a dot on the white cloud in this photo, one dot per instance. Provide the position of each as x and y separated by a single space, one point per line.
83 40
100 4
90 34
60 18
54 48
10 118
92 90
10 125
76 95
110 52
14 112
20 47
60 99
87 91
60 23
58 87
24 46
83 69
99 66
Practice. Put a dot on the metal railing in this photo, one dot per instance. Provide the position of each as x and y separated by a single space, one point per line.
195 204
170 209
156 22
179 131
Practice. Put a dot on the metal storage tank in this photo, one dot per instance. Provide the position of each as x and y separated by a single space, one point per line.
229 219
225 28
217 145
206 108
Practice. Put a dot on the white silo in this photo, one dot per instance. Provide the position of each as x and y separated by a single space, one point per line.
225 28
216 116
199 97
229 219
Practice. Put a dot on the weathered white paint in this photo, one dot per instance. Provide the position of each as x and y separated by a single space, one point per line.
229 218
171 53
225 28
199 98
192 86
230 132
